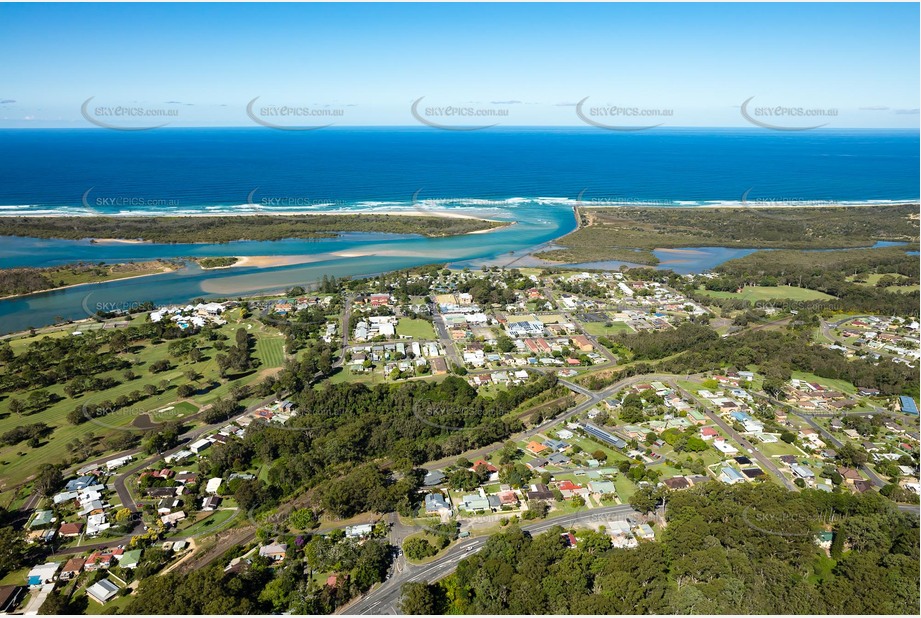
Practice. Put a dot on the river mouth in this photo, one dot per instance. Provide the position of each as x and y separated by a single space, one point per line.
268 266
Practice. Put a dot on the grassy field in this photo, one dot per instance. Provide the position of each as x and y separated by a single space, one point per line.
19 461
757 293
839 385
212 523
271 350
873 279
431 538
599 329
775 449
417 329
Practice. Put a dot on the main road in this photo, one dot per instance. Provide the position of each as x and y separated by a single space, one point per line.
385 599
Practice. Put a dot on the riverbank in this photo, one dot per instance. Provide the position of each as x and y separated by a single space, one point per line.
165 268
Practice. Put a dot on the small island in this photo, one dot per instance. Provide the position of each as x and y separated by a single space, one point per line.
209 263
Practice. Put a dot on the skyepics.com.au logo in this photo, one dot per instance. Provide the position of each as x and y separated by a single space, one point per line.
129 418
96 202
129 117
795 306
282 202
777 207
464 117
627 118
100 308
785 117
587 200
444 416
421 201
787 524
284 117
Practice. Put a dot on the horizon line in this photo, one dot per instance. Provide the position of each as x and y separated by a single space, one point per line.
477 129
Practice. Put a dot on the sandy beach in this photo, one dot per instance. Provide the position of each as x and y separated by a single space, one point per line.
119 241
419 212
269 261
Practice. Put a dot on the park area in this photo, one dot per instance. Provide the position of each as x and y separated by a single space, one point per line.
758 293
65 440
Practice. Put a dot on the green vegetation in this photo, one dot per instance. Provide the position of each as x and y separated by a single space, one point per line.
829 272
217 262
757 293
601 329
15 281
59 381
778 354
630 234
228 229
747 549
415 328
264 589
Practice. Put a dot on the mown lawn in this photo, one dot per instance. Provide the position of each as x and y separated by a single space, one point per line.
839 385
19 461
756 293
270 349
415 328
599 329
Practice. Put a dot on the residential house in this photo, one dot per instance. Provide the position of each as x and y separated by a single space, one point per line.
569 489
436 504
130 559
70 529
644 532
602 487
42 574
199 445
539 491
676 483
731 476
475 502
433 477
803 472
211 503
9 598
359 531
102 591
173 518
72 568
274 551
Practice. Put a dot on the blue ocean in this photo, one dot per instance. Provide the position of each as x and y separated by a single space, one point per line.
529 177
180 171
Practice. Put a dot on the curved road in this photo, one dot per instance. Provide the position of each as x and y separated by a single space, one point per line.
385 598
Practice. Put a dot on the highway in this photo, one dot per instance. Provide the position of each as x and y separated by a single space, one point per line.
385 598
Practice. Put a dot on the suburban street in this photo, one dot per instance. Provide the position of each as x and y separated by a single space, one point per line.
763 459
385 598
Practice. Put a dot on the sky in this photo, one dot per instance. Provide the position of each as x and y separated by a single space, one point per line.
466 65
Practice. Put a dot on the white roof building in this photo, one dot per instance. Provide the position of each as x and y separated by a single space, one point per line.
213 485
102 591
